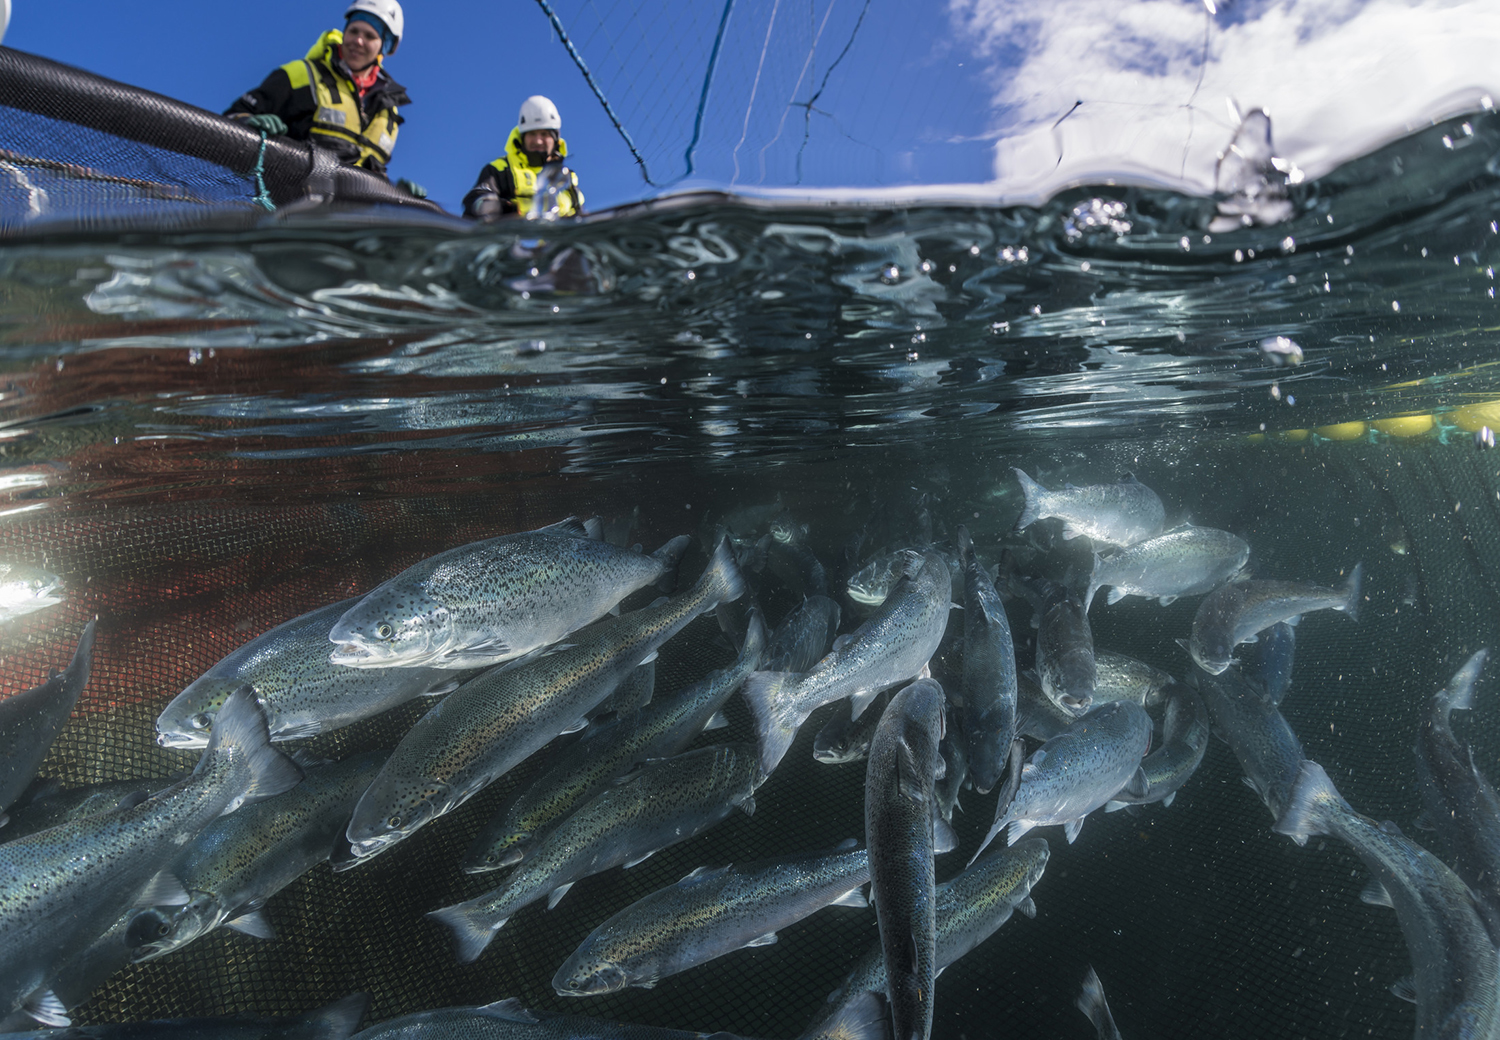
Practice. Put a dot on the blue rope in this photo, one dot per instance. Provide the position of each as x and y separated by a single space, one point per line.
598 93
708 77
262 196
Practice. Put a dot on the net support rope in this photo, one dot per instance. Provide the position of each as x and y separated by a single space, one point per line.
562 34
708 78
262 196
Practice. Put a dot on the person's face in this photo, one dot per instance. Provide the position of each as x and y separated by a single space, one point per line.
361 45
538 140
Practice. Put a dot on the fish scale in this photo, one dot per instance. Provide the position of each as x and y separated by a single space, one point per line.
496 720
663 803
495 600
707 914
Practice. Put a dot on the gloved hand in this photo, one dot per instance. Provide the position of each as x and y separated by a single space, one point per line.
271 123
412 188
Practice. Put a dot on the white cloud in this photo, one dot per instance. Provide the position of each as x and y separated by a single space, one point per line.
1338 77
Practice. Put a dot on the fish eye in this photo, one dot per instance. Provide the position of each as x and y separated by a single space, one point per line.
394 821
384 630
163 929
200 721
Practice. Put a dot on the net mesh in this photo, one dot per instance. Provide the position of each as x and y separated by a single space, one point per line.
1198 919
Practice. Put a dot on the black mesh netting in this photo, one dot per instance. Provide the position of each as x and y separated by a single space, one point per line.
1199 920
76 148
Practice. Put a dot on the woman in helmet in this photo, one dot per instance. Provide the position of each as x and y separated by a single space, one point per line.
339 97
508 185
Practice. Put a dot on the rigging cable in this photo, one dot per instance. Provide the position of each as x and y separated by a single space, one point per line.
708 78
588 76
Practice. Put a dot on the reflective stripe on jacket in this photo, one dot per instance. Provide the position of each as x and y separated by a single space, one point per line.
339 113
524 176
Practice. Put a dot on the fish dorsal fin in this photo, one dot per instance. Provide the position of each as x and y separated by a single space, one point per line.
854 897
571 527
594 528
1375 894
511 1010
557 893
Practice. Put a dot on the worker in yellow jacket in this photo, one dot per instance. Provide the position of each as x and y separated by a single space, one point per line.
339 96
532 165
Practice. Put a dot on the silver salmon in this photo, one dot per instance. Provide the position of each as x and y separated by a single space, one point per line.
494 600
500 718
989 677
889 648
662 803
899 808
1235 613
707 914
1113 514
300 690
31 720
1186 561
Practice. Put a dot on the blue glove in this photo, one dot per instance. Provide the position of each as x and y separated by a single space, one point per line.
412 188
271 123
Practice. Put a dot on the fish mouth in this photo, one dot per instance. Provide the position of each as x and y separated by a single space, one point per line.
359 654
1076 705
178 739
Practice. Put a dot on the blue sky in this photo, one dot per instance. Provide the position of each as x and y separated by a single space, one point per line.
846 94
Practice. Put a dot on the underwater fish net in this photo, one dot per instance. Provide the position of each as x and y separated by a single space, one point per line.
1199 919
83 149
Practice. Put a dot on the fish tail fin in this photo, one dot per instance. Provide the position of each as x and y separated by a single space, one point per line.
862 1017
1459 693
1094 584
669 555
1309 805
1032 512
1092 1003
754 646
722 580
240 731
472 930
1353 589
339 1019
965 546
773 704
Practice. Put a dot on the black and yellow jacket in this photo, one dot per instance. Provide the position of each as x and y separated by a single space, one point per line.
317 99
508 184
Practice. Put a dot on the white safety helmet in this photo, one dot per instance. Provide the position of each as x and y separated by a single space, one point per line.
539 113
388 11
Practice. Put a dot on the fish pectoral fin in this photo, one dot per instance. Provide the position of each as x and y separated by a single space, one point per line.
576 725
163 890
1166 601
299 731
131 800
1027 906
944 838
1375 894
1114 595
1138 785
748 805
1110 807
716 721
762 940
253 923
1405 988
558 892
653 655
1071 829
442 689
854 897
860 701
493 646
44 1006
640 859
1166 803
